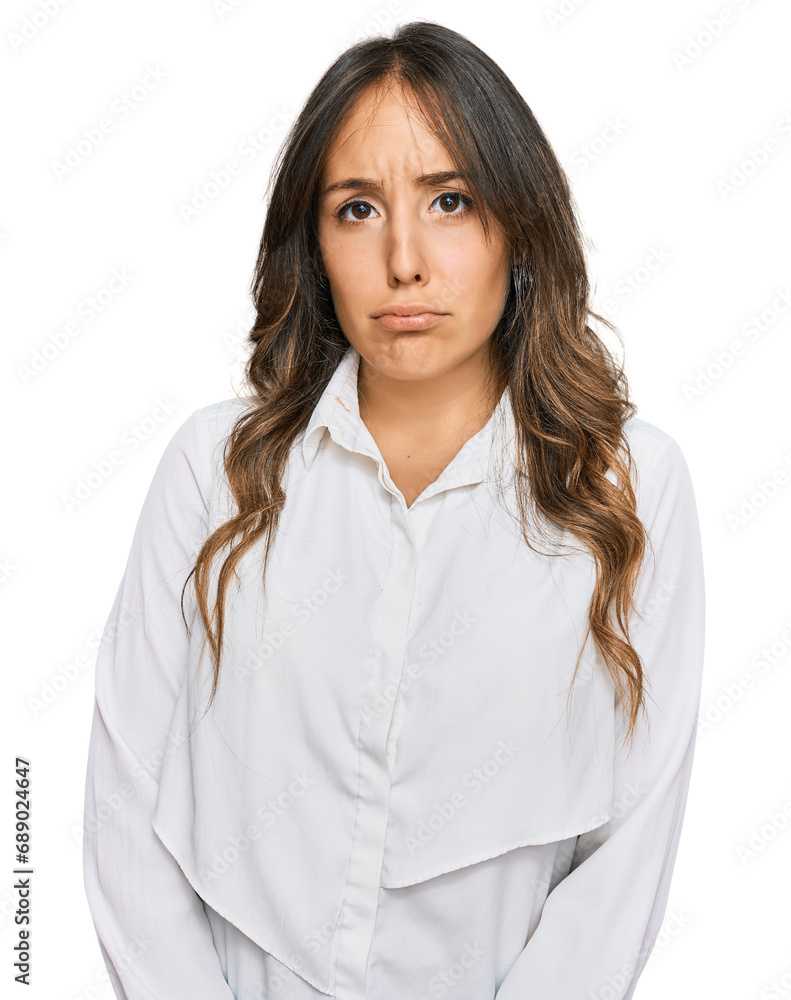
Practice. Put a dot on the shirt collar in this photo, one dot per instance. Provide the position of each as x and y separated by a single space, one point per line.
338 412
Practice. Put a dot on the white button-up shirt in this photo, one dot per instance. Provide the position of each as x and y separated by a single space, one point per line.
388 798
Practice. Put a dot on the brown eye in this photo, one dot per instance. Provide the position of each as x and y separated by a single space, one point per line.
445 198
354 205
360 206
455 198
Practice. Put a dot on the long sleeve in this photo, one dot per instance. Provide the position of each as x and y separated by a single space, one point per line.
152 929
599 924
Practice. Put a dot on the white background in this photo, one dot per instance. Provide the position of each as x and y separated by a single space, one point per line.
694 174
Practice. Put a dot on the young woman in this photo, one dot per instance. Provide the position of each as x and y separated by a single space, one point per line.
422 724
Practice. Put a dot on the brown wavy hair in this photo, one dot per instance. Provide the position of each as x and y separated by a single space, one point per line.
569 396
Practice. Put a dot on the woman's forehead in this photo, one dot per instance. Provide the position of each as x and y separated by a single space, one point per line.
377 131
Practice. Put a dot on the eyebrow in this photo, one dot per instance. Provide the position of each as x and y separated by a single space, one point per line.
367 183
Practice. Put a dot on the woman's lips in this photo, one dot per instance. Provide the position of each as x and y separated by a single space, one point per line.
420 321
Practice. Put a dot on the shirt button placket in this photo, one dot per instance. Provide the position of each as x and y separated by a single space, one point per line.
373 801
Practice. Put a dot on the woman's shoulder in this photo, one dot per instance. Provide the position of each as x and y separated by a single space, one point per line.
207 427
650 444
195 450
218 418
659 466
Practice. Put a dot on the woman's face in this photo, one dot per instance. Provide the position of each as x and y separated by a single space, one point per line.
404 244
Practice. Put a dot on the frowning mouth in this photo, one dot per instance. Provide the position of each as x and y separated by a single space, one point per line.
408 309
410 321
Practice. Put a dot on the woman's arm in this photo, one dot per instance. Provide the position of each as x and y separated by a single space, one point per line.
599 924
152 930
